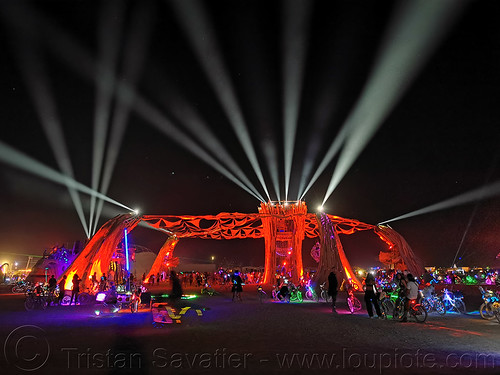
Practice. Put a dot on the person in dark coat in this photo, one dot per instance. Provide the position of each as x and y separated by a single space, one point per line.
333 285
52 284
176 293
76 289
371 296
62 292
237 285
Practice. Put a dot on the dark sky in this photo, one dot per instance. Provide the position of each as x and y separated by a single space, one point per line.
440 140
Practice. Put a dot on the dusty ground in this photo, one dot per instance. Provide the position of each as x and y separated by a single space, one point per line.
242 337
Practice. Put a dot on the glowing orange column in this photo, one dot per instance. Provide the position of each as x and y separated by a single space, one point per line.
290 216
97 254
164 258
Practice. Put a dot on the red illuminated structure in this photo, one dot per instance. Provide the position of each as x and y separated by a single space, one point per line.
283 225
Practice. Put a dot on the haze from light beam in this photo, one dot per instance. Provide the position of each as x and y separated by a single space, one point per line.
17 159
415 31
197 27
481 193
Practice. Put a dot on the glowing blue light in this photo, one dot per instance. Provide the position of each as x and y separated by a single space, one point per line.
126 249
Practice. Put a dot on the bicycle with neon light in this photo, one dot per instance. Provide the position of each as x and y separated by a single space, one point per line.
310 293
386 303
433 302
415 310
295 294
353 303
489 298
21 287
453 301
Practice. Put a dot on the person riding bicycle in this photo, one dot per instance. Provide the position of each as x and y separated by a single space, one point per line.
400 281
411 295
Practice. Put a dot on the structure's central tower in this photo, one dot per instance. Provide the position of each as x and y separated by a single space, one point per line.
284 231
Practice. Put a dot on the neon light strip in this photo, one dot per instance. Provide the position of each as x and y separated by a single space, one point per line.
126 249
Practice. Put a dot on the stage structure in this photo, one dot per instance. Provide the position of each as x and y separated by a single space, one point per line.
283 225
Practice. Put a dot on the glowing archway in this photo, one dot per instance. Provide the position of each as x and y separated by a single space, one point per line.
283 225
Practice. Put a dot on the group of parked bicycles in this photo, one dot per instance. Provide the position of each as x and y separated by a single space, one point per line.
37 296
40 297
392 303
284 293
292 293
287 293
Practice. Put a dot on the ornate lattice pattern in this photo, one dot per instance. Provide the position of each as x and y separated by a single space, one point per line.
222 226
96 256
342 225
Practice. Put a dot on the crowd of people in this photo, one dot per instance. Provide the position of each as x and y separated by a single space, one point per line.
406 285
198 279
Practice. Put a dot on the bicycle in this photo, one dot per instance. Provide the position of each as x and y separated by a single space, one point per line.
275 293
21 287
262 293
487 309
295 295
324 292
387 302
353 303
87 296
453 301
310 293
495 307
52 296
207 289
415 310
433 302
36 299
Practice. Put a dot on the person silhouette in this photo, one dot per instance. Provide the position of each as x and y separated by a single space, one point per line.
332 289
75 289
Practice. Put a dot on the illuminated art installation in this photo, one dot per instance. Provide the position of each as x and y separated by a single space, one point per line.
283 225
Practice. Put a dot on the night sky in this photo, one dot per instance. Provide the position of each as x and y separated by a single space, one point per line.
440 140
